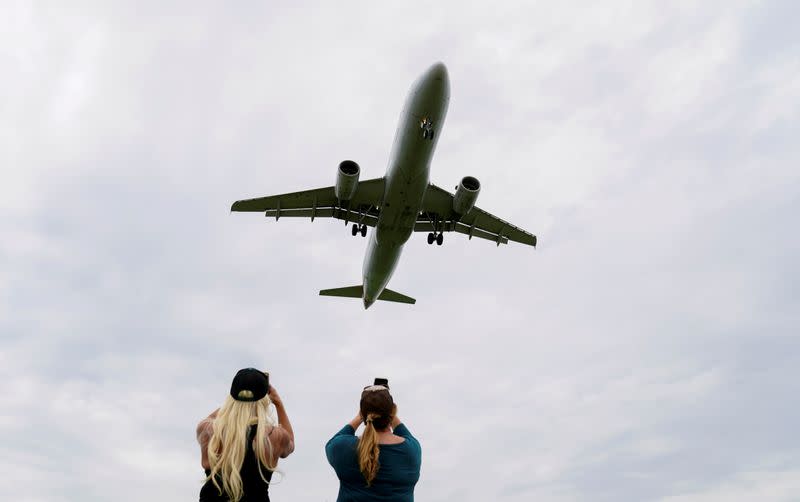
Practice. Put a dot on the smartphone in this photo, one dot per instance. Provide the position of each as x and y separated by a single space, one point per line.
382 381
266 374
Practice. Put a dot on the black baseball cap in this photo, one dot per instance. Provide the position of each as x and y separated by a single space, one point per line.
250 384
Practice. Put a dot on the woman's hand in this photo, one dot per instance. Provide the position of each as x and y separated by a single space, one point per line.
274 396
356 421
395 419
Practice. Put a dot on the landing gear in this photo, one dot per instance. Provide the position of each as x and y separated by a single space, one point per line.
437 238
363 230
438 226
427 128
359 229
354 230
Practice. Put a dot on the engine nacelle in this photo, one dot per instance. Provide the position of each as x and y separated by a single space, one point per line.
346 180
466 194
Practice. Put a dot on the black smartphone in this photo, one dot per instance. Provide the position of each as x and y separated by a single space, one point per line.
382 381
266 374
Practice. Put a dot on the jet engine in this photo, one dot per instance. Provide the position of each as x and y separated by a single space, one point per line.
466 194
346 180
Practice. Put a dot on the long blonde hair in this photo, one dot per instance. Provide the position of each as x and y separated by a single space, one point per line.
228 444
378 410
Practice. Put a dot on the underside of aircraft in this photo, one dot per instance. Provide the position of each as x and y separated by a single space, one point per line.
400 203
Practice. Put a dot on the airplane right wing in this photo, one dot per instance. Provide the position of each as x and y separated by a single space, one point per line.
321 203
438 215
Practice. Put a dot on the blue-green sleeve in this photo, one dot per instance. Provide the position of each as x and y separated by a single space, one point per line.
335 444
402 431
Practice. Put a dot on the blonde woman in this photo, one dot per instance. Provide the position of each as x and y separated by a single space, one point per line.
384 462
240 443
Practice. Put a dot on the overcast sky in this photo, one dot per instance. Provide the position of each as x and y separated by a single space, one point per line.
647 350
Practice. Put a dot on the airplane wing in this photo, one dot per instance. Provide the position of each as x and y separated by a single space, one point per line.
321 203
438 214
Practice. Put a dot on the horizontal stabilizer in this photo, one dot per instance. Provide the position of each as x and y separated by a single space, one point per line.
358 292
393 296
348 292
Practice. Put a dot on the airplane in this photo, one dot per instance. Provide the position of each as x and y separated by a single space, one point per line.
400 203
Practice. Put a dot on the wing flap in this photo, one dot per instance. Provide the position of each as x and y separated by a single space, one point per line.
369 194
492 224
325 212
426 226
320 197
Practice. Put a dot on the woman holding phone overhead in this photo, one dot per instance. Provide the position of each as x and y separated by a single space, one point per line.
384 462
240 443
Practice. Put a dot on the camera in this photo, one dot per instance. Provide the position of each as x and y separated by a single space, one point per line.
382 381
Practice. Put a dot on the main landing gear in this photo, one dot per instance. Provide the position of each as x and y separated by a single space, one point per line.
438 238
359 229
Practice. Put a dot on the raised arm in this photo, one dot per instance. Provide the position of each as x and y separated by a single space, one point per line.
356 421
203 434
282 436
345 435
400 429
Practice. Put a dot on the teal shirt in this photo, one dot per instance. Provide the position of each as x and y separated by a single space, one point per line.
397 474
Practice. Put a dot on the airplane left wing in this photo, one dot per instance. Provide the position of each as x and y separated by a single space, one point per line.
321 203
438 215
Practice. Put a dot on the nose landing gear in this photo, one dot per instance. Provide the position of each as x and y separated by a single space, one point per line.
427 128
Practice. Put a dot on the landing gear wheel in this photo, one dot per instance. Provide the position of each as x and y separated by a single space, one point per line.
431 238
363 230
424 134
439 239
431 134
354 229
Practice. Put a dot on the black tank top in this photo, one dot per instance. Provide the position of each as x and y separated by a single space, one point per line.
255 489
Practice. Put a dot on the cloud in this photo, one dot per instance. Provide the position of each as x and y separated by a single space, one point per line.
645 350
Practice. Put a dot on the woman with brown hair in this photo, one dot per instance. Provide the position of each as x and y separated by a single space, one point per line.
384 462
240 443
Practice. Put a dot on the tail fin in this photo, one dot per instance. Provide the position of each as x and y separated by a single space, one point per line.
358 292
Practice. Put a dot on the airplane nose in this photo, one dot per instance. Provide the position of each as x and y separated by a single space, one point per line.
368 302
438 71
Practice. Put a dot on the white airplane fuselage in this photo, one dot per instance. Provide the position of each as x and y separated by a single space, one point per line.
406 178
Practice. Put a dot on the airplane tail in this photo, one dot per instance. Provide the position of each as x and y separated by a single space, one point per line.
348 292
393 296
358 292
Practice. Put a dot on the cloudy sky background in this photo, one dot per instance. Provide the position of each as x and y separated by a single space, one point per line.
647 350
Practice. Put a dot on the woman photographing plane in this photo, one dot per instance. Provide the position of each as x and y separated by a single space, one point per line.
384 462
240 443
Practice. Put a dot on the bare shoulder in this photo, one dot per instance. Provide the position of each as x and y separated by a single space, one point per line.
281 441
204 430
